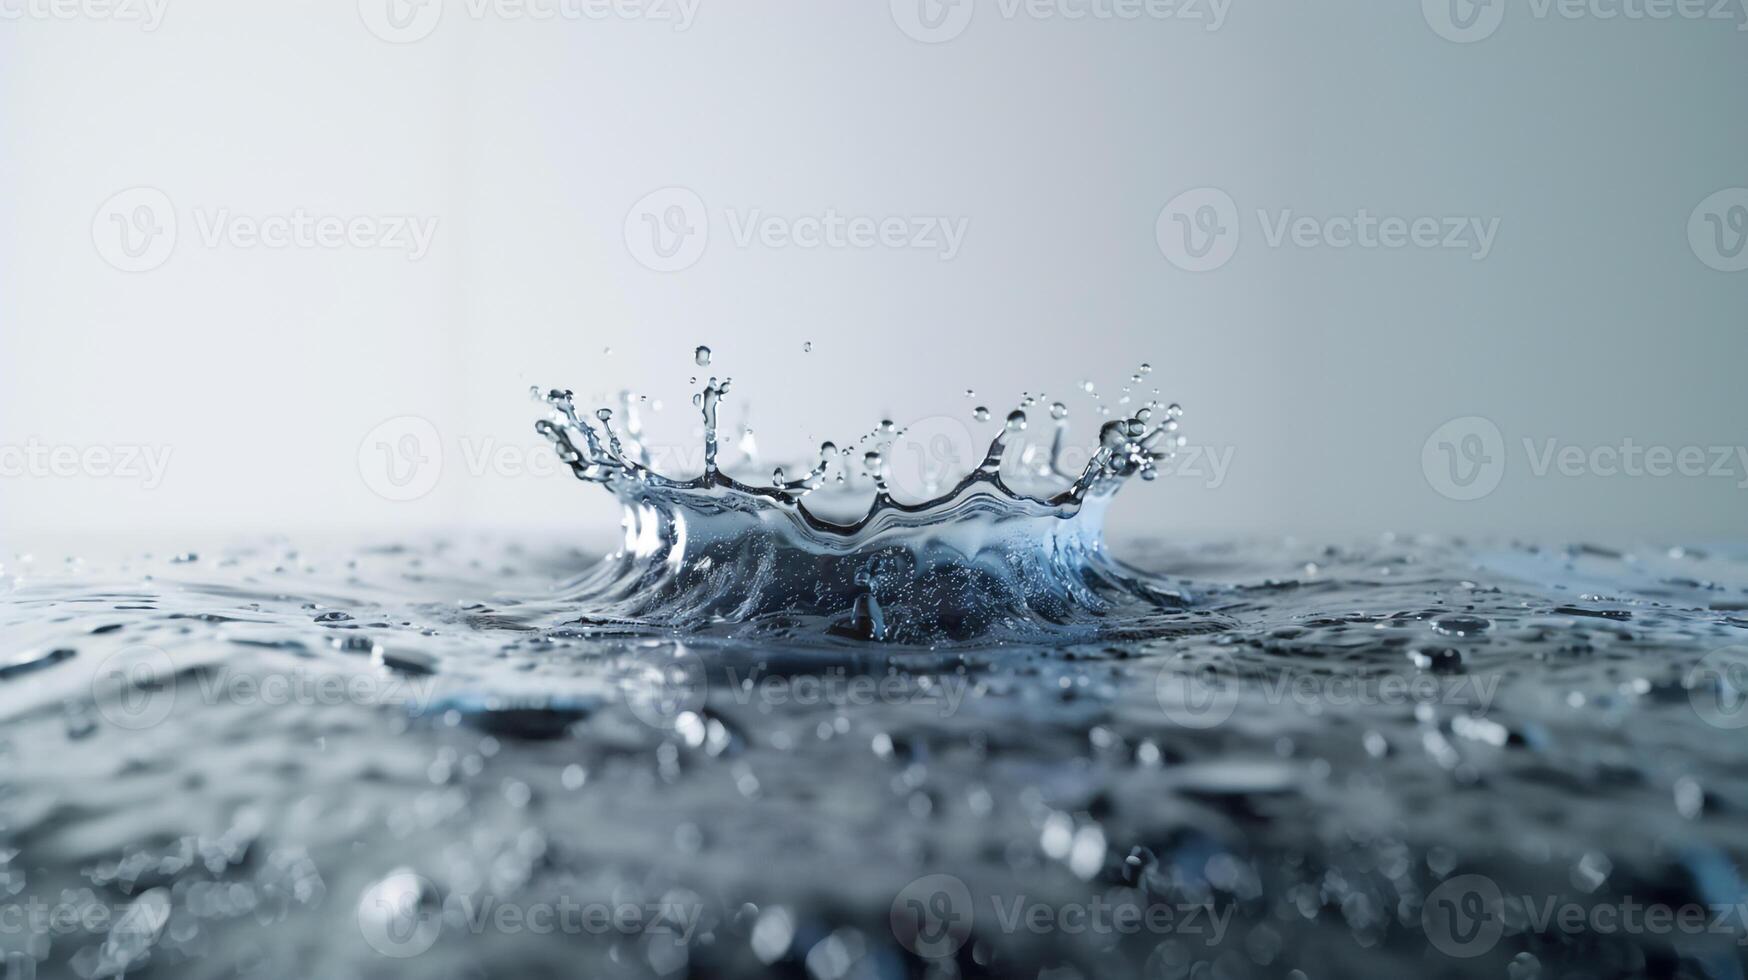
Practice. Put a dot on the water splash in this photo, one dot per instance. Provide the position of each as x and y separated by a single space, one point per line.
1013 551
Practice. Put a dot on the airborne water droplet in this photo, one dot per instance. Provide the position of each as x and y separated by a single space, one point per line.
1058 411
807 348
980 413
702 356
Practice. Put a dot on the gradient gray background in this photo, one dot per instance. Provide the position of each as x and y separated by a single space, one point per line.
1321 371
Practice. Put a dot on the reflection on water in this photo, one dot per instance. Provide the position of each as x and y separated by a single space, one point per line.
1401 758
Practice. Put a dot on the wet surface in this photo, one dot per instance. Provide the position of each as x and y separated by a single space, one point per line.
1400 757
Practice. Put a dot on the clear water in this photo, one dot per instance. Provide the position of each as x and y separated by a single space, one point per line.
266 762
814 729
1011 551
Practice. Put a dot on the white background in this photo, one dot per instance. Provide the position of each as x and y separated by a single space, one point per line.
1322 371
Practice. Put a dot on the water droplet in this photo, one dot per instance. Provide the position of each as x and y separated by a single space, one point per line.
807 348
604 414
1016 421
1086 386
702 356
1058 411
980 413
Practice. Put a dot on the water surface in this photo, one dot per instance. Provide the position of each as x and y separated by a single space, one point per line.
396 761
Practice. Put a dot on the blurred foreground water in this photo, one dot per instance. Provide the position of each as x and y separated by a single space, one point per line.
1402 758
